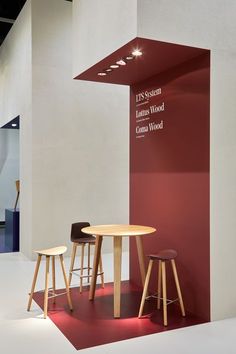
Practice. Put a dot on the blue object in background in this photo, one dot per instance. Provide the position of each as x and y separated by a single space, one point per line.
12 227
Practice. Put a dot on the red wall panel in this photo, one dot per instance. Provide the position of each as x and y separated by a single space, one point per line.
169 174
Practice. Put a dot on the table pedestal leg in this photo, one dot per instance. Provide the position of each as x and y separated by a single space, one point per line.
141 258
97 254
117 274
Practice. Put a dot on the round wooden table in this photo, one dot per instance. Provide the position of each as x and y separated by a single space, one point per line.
117 232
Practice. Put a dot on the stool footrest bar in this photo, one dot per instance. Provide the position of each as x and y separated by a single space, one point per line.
55 295
77 269
85 276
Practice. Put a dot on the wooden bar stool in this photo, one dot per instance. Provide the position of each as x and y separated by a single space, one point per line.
81 239
51 252
162 257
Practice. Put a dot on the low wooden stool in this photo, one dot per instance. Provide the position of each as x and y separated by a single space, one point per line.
162 257
51 252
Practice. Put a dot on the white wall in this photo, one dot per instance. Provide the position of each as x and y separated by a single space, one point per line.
15 68
209 24
79 137
74 135
15 99
223 188
99 28
204 24
9 168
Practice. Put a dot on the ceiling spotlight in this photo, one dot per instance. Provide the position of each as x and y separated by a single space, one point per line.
114 66
101 74
137 53
121 62
14 125
108 70
129 57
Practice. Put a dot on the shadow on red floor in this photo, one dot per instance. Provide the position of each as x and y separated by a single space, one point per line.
92 323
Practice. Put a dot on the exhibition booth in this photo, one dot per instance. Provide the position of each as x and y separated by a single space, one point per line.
142 156
169 190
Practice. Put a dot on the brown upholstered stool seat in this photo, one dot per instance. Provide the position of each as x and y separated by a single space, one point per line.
81 239
164 255
50 253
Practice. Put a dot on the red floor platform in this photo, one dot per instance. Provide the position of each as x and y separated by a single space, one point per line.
92 323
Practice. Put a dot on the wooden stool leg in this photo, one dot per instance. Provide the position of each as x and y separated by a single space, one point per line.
34 281
66 282
88 262
101 271
145 289
81 268
72 261
178 287
159 286
45 307
53 279
163 272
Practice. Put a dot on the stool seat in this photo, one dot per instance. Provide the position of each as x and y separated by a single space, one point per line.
91 239
164 255
55 251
